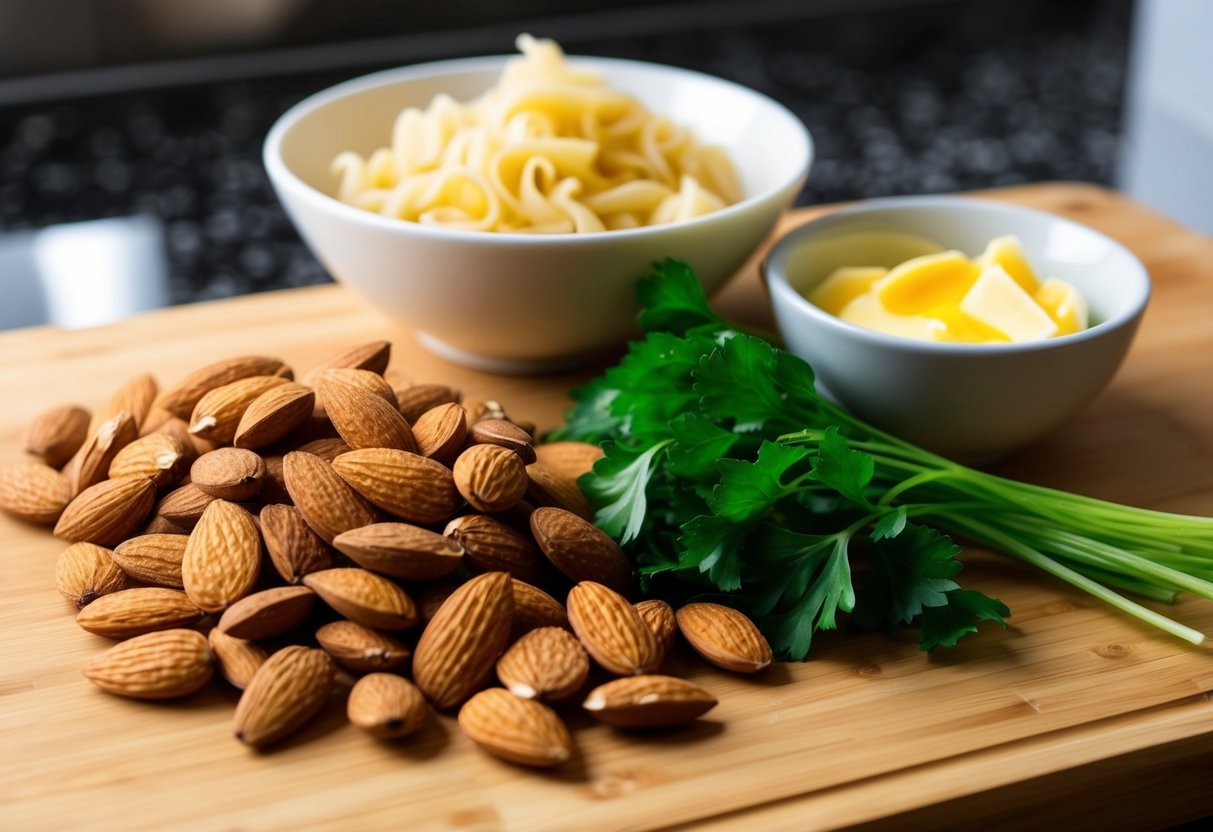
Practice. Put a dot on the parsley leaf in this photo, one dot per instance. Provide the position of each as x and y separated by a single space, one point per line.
943 626
735 382
698 444
846 471
747 489
616 488
713 546
907 574
673 300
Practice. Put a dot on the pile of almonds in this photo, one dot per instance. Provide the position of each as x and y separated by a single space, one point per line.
234 502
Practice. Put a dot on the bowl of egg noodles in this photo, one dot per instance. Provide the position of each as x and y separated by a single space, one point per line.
503 208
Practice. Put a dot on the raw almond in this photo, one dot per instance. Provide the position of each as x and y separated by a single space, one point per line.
85 572
612 631
456 652
492 546
162 665
364 597
568 459
363 419
327 449
416 399
490 477
518 730
546 487
441 431
273 489
324 499
401 550
648 702
153 558
289 688
725 637
217 414
133 612
580 549
238 659
387 706
98 452
160 525
274 414
56 435
108 512
178 428
33 491
534 608
372 356
182 399
407 485
295 550
659 616
162 458
222 557
360 648
547 663
233 474
365 379
184 506
134 397
480 409
430 596
507 435
268 613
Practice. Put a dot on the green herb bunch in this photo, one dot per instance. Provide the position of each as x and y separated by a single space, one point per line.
727 476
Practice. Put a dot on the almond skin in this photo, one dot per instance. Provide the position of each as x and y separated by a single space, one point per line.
233 474
365 379
217 414
430 597
407 485
361 649
581 550
725 637
56 435
441 431
535 608
507 435
492 546
648 702
85 572
547 663
161 525
238 659
401 550
182 399
387 706
570 460
659 616
161 665
133 612
108 512
490 477
324 500
273 489
162 458
294 549
364 597
417 399
134 397
274 414
34 492
549 488
153 558
327 449
289 688
521 731
363 418
184 506
172 426
271 612
457 650
92 463
612 631
222 557
373 356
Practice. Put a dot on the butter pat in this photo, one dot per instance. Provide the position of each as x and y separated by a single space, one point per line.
1064 305
843 286
999 302
925 283
1006 251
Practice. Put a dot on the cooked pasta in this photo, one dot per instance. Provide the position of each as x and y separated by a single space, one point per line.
549 149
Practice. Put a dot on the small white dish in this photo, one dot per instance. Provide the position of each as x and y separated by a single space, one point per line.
973 402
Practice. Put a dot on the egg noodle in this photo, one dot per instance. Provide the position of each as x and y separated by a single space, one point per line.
549 149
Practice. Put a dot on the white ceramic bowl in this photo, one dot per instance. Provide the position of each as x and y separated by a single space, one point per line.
970 402
524 302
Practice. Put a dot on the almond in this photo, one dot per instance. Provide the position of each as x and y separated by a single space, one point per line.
372 356
144 609
441 431
612 631
160 525
33 491
518 730
456 652
490 477
534 608
274 414
407 485
548 488
98 452
288 689
401 550
162 665
648 702
480 409
492 546
360 648
153 558
217 414
324 500
182 399
547 663
363 419
580 549
162 458
134 397
416 399
268 613
222 557
238 659
233 474
364 379
108 511
56 435
724 636
85 572
659 616
184 506
570 460
364 597
295 550
507 435
430 596
172 426
387 706
327 449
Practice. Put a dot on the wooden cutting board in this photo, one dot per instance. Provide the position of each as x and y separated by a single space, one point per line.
1074 714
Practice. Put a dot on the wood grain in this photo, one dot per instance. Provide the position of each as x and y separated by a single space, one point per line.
1073 713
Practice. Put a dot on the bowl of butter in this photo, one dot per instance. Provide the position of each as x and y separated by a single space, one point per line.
969 327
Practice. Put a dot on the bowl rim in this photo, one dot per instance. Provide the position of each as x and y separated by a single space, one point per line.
284 178
774 273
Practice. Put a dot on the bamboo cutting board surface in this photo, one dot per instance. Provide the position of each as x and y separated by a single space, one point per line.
1073 714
